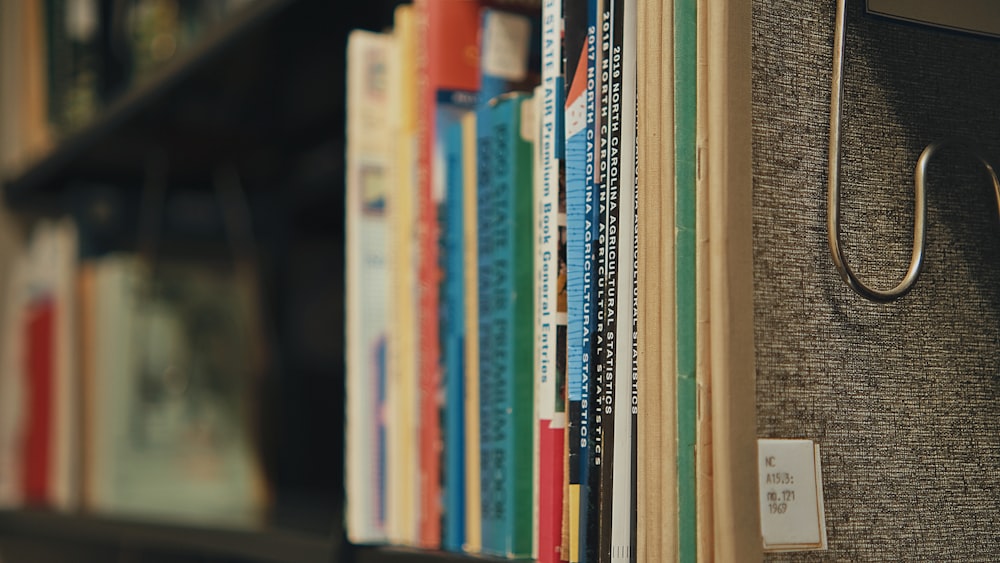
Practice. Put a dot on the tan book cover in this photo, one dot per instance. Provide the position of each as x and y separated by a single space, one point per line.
725 164
473 501
657 472
403 490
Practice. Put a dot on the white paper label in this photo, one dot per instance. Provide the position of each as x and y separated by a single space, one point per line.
791 495
506 43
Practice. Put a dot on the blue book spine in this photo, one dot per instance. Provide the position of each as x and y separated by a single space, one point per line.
454 344
490 450
580 134
591 220
450 106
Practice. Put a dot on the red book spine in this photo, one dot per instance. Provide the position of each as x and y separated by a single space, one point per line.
447 62
39 375
550 493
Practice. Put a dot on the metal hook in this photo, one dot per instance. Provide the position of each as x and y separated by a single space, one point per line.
919 186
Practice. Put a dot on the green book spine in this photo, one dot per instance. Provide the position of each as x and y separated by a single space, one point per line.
507 382
685 119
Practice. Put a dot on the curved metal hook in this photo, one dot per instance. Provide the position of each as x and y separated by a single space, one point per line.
833 188
919 187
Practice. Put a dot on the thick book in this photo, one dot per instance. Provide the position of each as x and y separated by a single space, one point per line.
448 78
725 156
368 177
506 335
402 394
657 472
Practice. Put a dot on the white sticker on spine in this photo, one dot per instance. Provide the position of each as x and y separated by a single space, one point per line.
791 495
506 43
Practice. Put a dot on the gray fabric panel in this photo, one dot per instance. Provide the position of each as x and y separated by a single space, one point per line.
903 398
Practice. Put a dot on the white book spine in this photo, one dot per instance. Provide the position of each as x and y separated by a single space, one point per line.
623 501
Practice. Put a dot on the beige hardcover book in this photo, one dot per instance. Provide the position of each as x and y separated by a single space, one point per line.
473 502
657 470
86 319
369 174
725 169
58 268
13 384
402 493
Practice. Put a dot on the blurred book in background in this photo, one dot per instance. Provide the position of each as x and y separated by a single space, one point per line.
128 388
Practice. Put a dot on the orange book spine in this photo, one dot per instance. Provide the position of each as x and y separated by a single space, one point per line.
448 66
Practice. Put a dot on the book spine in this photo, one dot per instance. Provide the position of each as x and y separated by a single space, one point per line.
685 113
62 263
490 456
506 237
39 372
473 504
367 281
610 253
551 338
541 330
428 338
448 80
634 394
454 345
579 134
13 394
518 189
591 221
402 391
623 509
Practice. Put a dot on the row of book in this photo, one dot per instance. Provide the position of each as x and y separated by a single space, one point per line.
125 386
492 279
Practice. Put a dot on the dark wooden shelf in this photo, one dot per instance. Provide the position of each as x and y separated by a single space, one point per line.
264 545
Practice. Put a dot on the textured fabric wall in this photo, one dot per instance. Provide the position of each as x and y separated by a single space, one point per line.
903 398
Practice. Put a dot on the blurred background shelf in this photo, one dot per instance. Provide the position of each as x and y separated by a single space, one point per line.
262 91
